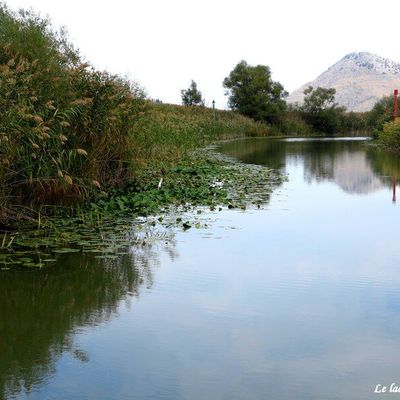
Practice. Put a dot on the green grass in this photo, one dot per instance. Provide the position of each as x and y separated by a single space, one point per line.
167 133
70 134
107 225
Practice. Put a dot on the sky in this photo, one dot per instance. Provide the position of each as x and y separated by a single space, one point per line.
164 44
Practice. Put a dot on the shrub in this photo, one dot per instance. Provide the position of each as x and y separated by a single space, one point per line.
381 113
389 138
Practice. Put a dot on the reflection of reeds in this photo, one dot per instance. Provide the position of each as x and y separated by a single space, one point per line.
53 309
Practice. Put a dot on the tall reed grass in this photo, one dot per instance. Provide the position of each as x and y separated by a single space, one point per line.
167 133
69 131
64 127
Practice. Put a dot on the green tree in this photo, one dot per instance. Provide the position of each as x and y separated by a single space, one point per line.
253 93
191 96
321 111
381 113
318 99
389 138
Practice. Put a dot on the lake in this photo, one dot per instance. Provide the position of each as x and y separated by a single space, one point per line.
297 300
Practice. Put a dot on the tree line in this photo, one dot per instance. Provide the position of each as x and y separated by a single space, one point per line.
252 92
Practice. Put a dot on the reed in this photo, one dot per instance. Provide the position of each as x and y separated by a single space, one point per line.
69 133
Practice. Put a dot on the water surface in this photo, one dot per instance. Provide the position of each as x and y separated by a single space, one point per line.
298 300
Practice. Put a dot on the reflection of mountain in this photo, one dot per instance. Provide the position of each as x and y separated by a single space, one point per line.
41 311
356 168
351 171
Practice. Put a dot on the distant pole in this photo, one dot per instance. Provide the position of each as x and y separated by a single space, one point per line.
213 106
396 105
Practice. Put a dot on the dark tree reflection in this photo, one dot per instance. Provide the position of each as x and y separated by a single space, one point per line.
40 311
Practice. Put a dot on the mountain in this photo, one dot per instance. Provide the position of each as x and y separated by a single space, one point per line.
360 80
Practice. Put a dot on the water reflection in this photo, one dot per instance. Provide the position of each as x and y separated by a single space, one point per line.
42 311
354 165
299 300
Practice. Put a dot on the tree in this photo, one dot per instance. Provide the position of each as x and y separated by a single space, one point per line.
381 113
319 99
253 93
191 96
321 111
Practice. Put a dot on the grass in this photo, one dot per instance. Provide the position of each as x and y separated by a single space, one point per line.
167 133
64 127
83 151
105 226
70 134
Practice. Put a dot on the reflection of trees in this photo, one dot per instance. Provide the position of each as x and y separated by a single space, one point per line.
40 311
383 163
257 151
353 166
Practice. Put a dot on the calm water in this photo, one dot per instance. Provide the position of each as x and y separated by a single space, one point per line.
299 300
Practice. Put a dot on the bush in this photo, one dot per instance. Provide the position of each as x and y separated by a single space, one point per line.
389 138
381 113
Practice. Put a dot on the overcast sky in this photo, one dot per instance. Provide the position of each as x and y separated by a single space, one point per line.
164 44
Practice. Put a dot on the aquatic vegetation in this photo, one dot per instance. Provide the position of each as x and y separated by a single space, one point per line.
112 223
70 133
82 151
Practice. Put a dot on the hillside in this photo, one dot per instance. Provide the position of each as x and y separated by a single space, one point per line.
360 80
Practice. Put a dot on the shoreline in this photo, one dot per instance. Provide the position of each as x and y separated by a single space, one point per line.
206 179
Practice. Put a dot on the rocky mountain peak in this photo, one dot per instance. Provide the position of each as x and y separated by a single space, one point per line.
370 62
360 80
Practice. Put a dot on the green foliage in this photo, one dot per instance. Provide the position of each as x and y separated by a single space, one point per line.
318 99
69 132
204 179
63 126
354 123
28 34
200 180
191 96
381 113
253 93
166 133
320 110
389 138
294 124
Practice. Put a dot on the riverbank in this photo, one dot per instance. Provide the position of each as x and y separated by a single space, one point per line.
162 136
71 134
203 180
